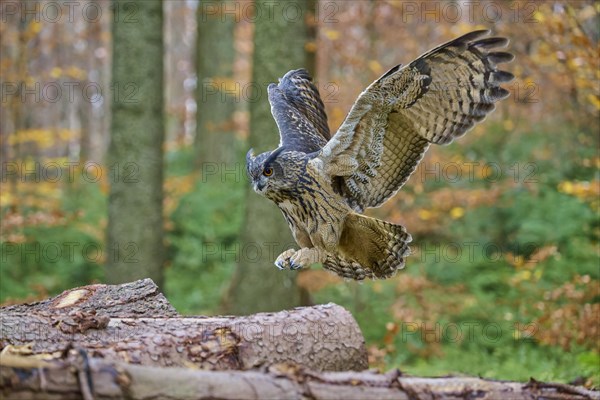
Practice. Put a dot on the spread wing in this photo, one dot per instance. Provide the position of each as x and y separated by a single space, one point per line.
299 112
435 99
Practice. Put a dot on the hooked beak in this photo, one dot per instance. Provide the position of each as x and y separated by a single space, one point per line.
259 187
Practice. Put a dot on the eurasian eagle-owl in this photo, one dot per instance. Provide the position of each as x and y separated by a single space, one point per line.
322 183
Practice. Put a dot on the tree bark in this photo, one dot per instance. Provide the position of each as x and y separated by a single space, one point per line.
78 377
134 323
216 93
279 40
134 243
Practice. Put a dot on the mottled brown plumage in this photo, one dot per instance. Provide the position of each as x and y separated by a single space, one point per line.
321 182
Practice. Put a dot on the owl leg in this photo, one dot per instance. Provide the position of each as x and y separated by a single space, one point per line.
283 261
305 257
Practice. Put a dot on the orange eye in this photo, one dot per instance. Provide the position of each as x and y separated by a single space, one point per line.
268 171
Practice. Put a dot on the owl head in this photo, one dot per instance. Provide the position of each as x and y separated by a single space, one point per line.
272 173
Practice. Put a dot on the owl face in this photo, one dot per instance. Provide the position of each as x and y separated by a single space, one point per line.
264 171
271 173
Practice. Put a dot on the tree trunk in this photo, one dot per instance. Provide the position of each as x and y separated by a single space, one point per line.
279 40
136 324
217 92
134 247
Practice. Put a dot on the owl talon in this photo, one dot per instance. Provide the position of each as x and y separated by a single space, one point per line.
294 266
280 264
283 261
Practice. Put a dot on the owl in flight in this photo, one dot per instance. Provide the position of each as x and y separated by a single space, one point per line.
322 182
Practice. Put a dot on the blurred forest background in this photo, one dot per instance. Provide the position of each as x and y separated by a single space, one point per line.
123 132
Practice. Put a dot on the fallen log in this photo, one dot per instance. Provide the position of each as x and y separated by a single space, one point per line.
136 324
78 377
127 341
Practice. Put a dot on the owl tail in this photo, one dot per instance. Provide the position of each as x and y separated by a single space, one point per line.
370 247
